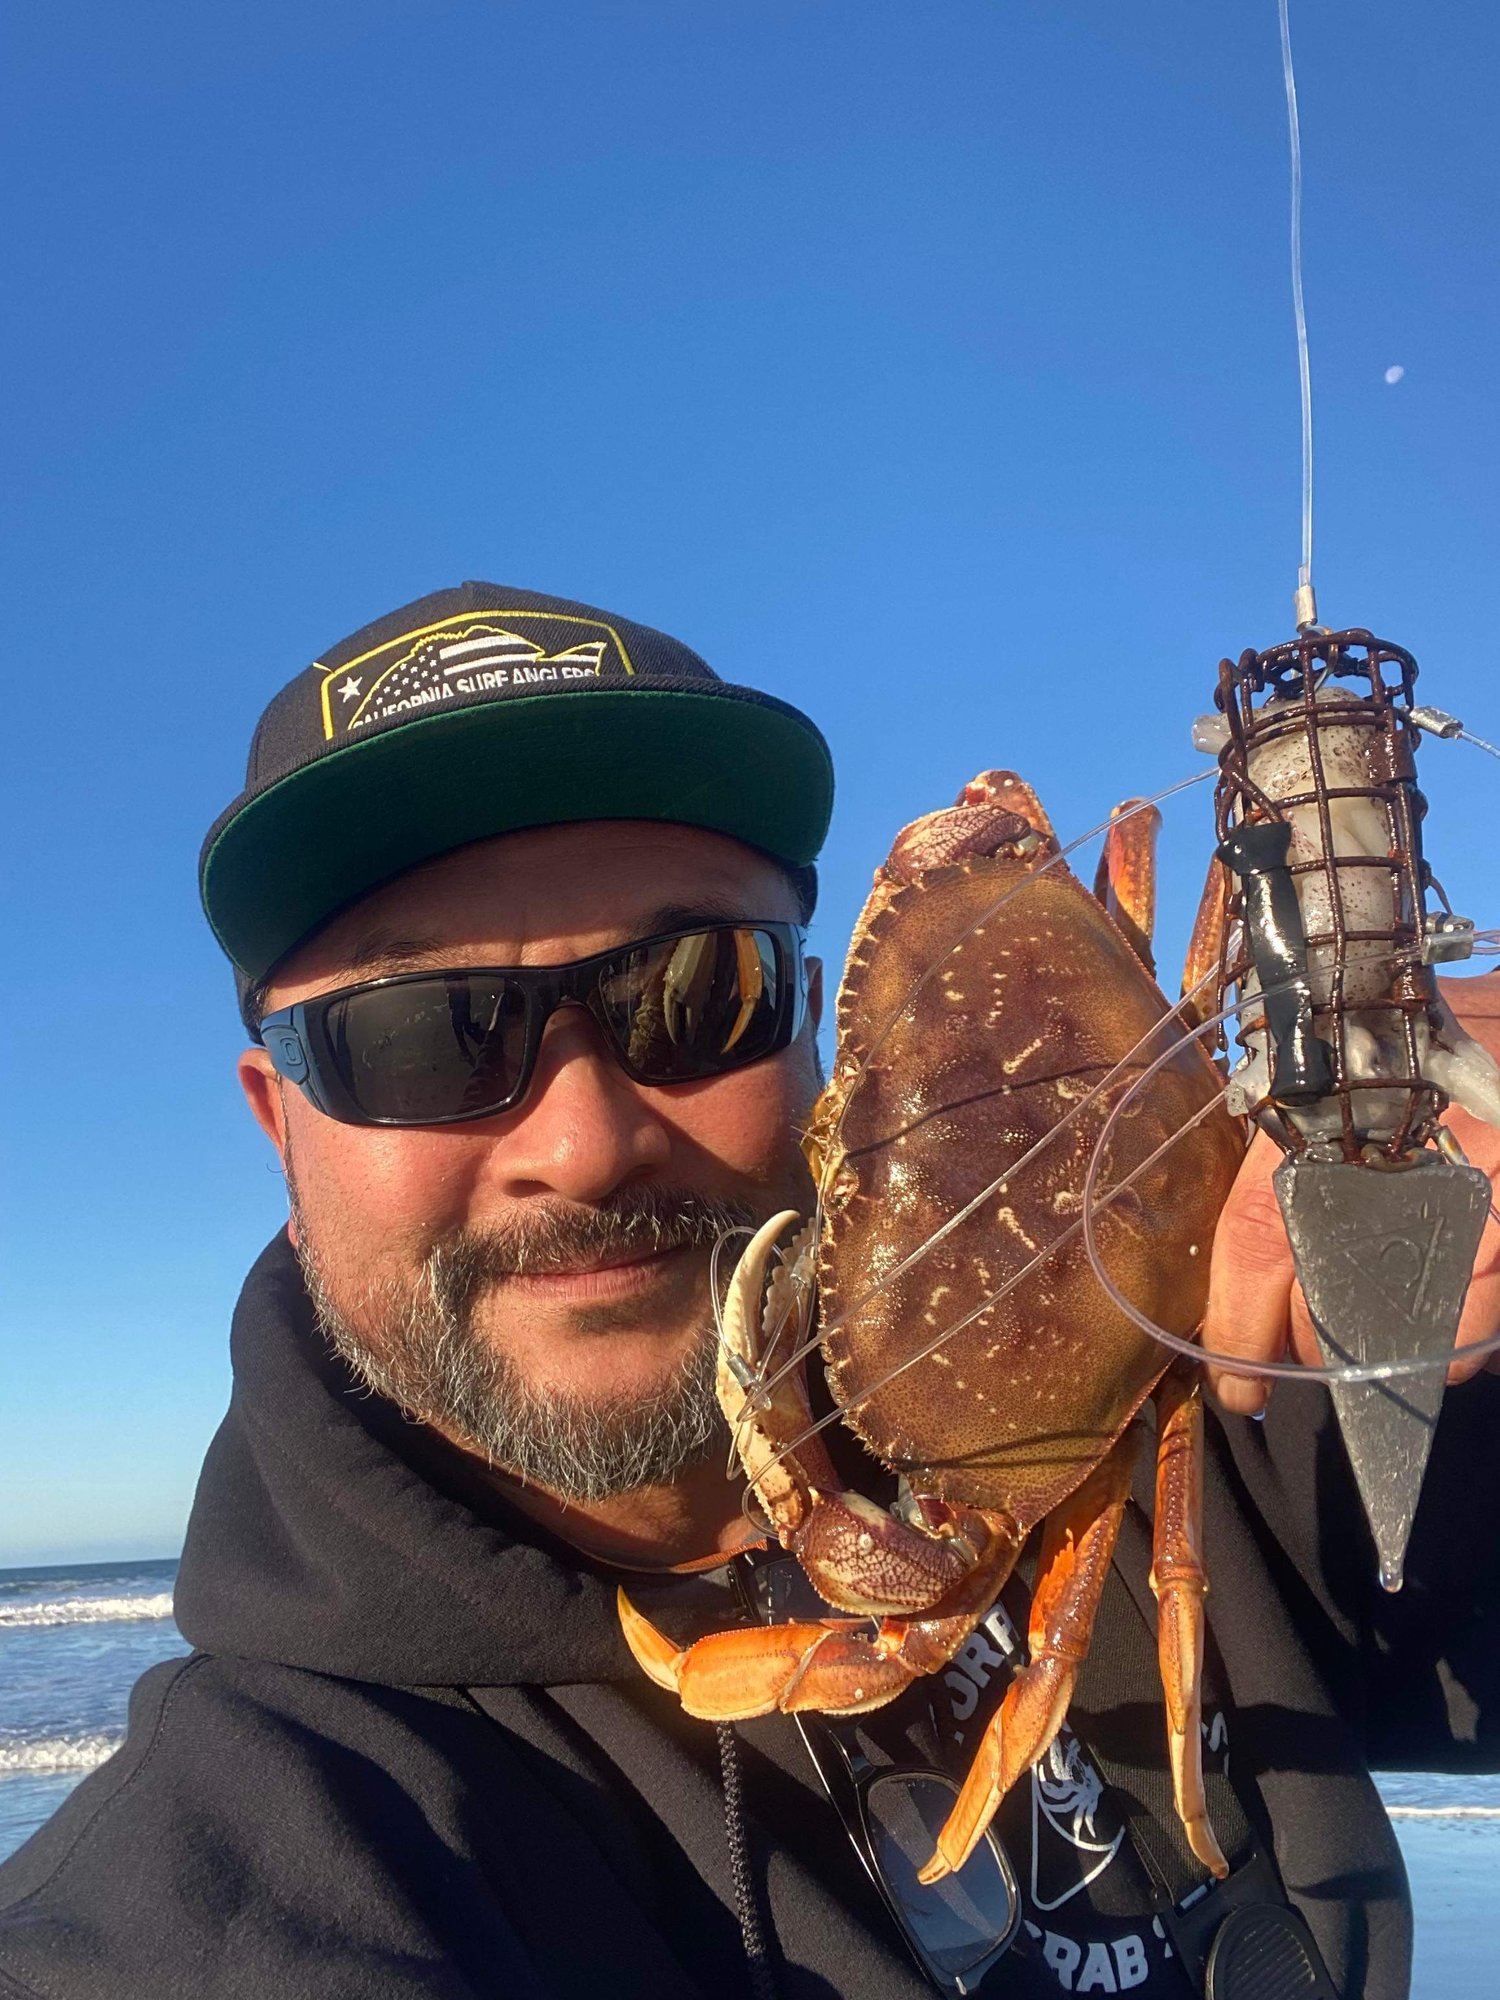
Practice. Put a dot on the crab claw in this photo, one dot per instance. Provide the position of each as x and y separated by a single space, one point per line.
658 1659
831 1665
744 1314
770 1420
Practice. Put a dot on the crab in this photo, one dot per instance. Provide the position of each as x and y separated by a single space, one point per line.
992 1012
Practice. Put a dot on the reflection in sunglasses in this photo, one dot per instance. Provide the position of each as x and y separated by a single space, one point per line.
687 984
752 983
962 1920
440 1047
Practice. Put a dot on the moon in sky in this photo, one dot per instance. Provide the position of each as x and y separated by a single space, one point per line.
1393 375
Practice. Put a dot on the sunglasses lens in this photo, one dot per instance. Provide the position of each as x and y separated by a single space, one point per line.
958 1922
440 1047
420 1052
695 1006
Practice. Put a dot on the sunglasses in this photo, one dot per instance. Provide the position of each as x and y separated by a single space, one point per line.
438 1048
956 1929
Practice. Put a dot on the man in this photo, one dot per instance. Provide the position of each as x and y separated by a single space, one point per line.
513 894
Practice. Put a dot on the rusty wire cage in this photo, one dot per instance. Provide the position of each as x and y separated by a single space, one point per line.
1297 694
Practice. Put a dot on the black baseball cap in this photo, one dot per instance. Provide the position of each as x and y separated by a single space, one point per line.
482 710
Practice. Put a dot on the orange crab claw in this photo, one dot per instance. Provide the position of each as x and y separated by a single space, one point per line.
832 1666
654 1652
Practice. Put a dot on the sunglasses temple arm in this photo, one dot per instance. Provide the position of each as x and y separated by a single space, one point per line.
801 985
286 1039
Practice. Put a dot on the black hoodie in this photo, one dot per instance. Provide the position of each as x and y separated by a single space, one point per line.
410 1754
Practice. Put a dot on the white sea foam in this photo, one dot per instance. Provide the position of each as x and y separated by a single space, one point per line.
1443 1812
40 1755
87 1610
1440 1794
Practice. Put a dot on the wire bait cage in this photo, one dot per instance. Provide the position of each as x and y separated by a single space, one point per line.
1319 821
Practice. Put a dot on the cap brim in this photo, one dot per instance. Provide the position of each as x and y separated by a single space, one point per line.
278 865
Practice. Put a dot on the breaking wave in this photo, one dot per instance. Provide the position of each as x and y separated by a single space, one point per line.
42 1755
87 1610
1440 1794
1443 1812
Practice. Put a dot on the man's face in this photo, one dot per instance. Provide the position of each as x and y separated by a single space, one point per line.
537 1284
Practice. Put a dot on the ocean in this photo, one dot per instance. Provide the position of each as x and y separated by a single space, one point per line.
73 1639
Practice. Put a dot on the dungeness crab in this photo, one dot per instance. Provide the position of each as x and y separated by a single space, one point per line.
992 1012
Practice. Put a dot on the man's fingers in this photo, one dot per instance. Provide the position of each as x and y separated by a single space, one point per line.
1481 1313
1304 1338
1250 1284
1256 1308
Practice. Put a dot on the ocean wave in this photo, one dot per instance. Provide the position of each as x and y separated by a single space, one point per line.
1443 1812
87 1610
41 1755
1440 1794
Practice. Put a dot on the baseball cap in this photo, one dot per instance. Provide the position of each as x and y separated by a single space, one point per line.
481 710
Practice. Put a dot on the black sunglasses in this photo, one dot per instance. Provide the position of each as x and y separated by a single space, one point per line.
956 1929
437 1048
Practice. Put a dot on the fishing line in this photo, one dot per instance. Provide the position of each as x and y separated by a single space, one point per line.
765 1384
757 1397
1307 609
1001 1292
799 1292
993 909
1237 1364
1093 1202
715 1260
861 1068
715 1255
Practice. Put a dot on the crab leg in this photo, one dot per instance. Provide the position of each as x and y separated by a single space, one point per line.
1126 881
1178 1579
837 1666
1206 945
1076 1549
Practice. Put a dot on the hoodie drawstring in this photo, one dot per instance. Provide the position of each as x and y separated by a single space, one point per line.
762 1976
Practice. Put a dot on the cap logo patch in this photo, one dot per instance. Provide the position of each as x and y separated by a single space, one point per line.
464 659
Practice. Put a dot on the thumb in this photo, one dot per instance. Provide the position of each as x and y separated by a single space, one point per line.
1250 1281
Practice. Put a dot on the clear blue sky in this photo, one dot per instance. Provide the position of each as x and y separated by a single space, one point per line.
929 365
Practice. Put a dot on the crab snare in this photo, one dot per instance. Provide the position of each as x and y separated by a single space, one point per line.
1321 892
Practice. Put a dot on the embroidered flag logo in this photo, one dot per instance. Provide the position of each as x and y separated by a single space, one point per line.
461 661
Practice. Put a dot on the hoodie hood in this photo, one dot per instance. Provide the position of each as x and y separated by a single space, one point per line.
314 1543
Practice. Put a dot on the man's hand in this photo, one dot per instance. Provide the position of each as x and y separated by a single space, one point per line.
1255 1306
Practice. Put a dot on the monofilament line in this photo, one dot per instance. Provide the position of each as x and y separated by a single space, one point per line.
1304 365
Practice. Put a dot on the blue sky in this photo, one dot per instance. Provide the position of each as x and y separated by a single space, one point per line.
929 365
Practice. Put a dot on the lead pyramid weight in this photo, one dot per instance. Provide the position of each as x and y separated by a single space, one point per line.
1384 1261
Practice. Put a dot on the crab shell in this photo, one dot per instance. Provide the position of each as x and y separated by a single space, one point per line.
966 1032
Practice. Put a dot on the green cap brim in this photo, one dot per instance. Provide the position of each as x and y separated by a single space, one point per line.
732 761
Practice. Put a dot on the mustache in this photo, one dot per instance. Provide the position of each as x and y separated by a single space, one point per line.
558 1236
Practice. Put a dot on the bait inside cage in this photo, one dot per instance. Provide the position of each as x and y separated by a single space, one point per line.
1319 823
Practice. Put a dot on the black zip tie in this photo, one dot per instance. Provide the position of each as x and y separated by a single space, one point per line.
762 1977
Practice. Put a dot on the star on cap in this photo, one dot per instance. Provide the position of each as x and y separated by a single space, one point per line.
349 688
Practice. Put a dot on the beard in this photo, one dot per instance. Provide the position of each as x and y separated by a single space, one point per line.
416 1342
